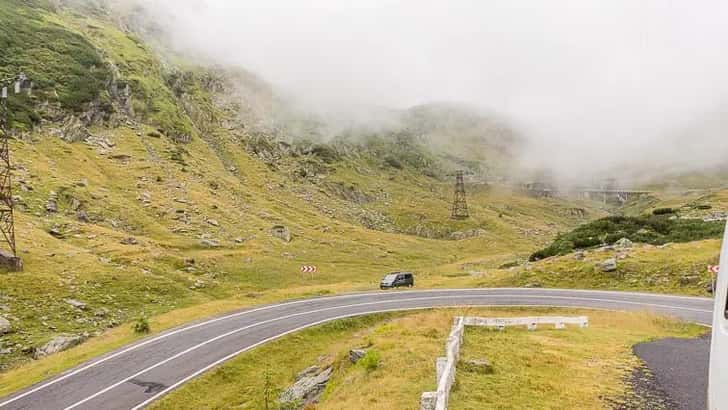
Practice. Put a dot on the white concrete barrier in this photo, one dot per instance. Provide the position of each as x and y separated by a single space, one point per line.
531 323
446 366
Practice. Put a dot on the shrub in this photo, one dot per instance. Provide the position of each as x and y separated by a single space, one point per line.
652 229
370 361
663 211
141 325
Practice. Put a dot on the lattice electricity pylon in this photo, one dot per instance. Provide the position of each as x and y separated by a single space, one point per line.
459 204
7 223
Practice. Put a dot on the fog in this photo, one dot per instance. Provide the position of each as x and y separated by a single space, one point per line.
620 86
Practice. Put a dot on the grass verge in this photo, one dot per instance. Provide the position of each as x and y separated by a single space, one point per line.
539 368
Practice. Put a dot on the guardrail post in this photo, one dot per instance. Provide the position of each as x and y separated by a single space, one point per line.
428 400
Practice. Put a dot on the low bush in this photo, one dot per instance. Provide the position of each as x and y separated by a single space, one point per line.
652 229
370 361
141 325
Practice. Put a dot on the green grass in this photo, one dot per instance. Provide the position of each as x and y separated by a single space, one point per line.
404 225
555 369
63 65
537 368
655 229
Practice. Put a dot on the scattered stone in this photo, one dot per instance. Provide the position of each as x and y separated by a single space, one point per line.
579 255
121 157
239 240
51 205
213 222
101 312
58 344
129 241
609 265
481 366
72 130
623 243
306 390
82 182
533 285
76 303
75 204
82 216
55 232
210 243
356 354
689 279
471 233
281 232
5 326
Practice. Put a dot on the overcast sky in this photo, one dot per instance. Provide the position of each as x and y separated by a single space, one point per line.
598 78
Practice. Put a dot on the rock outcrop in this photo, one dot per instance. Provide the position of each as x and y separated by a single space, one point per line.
307 389
58 344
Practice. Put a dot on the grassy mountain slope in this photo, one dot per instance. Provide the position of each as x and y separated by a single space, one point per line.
119 214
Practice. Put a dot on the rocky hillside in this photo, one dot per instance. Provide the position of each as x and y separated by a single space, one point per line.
144 184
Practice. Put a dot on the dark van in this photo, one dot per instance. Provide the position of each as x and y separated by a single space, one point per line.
397 279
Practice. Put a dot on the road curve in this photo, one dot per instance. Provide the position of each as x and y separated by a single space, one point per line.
135 375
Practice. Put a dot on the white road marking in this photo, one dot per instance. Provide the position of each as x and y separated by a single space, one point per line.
201 344
471 291
243 350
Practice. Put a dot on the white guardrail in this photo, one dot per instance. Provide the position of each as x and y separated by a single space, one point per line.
446 366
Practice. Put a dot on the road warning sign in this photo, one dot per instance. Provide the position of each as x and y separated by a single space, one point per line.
308 268
713 268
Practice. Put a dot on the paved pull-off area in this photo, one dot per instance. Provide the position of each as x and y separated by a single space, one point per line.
134 376
680 368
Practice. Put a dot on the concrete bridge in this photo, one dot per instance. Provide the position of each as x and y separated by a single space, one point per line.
604 194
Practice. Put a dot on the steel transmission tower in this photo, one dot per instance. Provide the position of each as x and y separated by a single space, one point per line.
7 225
459 204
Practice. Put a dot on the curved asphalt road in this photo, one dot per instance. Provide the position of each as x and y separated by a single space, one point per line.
134 376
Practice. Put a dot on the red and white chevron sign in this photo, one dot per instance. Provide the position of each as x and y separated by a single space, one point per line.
713 268
308 269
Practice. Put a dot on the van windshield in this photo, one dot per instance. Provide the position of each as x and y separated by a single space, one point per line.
390 278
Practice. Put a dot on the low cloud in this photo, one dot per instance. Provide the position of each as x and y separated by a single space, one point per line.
617 87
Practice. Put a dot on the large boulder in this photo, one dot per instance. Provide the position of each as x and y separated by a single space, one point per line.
58 344
5 325
76 303
609 265
623 243
281 232
481 366
356 354
307 389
